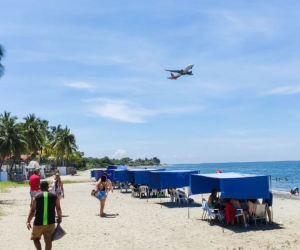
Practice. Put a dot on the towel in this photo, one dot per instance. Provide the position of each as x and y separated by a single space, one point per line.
230 213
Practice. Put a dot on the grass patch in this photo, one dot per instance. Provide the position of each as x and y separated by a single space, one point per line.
1 212
10 184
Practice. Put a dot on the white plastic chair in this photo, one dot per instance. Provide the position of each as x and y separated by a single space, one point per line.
172 194
241 213
143 191
134 192
212 214
204 208
260 213
181 199
123 186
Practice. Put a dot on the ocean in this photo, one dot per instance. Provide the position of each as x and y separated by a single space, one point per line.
279 169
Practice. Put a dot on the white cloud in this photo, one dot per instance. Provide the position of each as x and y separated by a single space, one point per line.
121 110
119 153
80 85
288 90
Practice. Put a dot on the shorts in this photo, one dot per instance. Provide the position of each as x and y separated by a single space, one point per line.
47 231
33 193
101 195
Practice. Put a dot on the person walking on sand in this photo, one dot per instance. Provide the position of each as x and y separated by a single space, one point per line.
34 183
43 207
57 186
102 191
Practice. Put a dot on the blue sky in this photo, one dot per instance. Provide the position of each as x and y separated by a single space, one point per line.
98 67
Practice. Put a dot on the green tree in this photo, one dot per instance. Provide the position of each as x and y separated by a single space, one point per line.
64 143
35 134
12 141
2 68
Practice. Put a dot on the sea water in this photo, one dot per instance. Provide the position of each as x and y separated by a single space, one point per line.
278 169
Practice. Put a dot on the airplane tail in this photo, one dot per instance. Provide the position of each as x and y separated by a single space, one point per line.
173 77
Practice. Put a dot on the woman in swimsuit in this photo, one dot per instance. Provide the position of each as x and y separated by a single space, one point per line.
102 191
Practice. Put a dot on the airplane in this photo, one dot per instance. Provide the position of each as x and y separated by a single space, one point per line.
181 72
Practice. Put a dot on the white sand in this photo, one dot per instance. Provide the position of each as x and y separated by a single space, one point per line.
134 223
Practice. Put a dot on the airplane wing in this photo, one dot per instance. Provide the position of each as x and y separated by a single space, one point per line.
175 71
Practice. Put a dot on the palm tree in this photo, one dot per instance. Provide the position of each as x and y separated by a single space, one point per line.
64 143
2 68
34 131
12 141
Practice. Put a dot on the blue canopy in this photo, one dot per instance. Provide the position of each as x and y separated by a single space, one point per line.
170 179
111 171
231 185
117 167
140 176
120 175
98 173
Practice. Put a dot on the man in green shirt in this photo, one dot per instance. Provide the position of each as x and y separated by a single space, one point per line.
44 205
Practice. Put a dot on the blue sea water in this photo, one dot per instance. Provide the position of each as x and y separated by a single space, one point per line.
279 169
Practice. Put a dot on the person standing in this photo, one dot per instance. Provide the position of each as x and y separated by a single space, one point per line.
102 191
34 183
43 207
58 186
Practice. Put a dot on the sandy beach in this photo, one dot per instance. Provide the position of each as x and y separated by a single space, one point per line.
134 223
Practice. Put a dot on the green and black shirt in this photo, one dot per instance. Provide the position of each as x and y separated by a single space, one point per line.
45 208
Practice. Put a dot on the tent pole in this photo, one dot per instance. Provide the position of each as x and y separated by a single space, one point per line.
188 207
272 198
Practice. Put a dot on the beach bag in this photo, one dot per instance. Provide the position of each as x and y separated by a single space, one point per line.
58 233
94 193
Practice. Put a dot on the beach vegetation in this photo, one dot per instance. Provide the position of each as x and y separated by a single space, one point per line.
1 212
34 139
5 185
2 68
106 161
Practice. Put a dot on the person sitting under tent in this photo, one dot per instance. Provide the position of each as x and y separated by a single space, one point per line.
270 203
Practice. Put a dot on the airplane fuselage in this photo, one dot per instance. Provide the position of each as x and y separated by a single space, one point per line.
184 71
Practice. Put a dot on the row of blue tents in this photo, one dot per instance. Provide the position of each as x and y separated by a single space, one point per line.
231 185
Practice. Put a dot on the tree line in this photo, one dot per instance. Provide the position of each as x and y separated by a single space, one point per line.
106 161
34 138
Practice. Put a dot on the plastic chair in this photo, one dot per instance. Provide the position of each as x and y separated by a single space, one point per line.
212 214
181 199
260 213
143 191
134 192
204 208
172 194
123 186
241 213
236 213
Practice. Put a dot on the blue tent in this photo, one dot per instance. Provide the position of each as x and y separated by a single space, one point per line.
231 185
140 176
111 171
170 179
117 167
120 175
98 173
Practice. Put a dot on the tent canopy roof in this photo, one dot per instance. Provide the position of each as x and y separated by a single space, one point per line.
231 185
